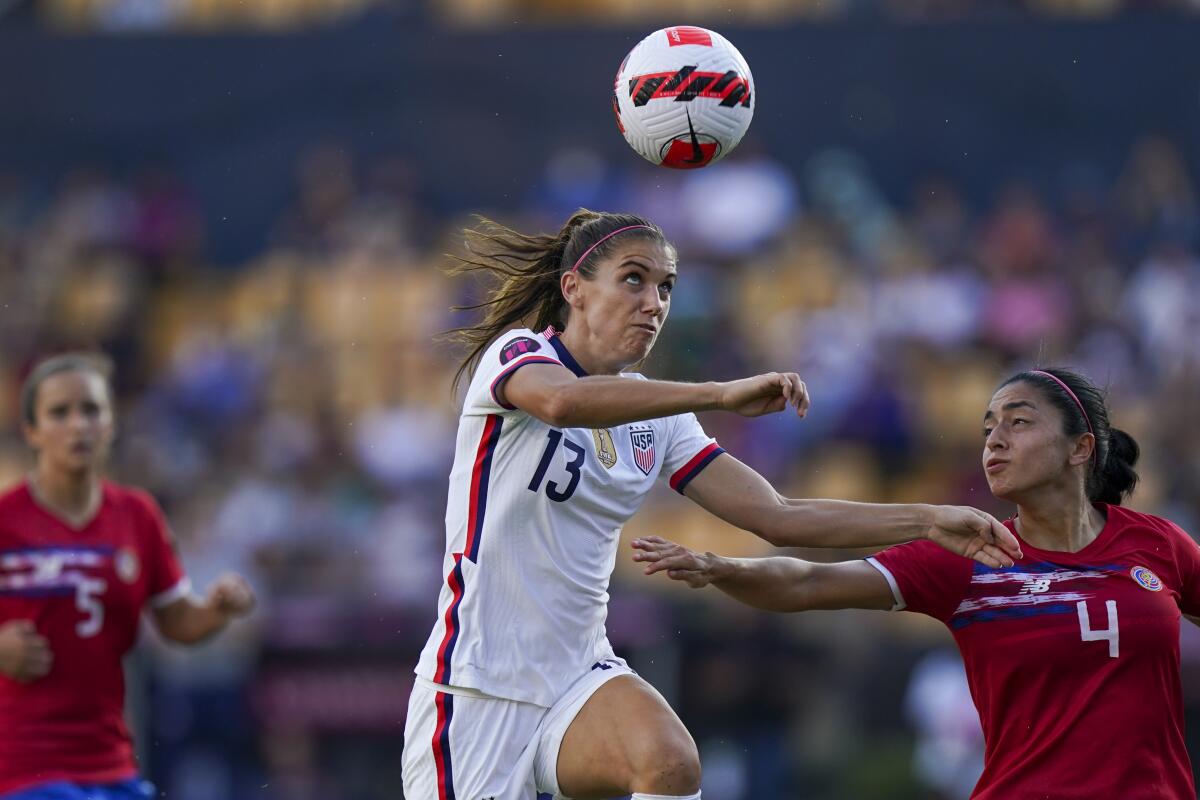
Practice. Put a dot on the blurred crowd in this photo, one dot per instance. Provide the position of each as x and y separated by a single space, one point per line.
289 15
294 416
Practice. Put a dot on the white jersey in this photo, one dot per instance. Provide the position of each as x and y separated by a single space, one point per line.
532 525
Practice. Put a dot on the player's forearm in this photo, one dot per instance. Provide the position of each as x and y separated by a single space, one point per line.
600 401
770 584
191 621
840 523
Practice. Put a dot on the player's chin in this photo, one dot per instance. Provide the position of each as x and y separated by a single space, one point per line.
76 463
1001 490
640 346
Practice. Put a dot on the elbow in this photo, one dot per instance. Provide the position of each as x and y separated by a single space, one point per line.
560 410
769 523
182 633
176 637
772 536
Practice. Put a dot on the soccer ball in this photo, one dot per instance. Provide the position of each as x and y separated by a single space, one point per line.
683 97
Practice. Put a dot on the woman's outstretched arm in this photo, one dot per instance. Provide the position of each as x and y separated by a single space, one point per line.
739 495
772 584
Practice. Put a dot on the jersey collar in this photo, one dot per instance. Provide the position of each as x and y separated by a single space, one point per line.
564 355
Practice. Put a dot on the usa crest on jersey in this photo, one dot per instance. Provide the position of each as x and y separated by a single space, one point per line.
643 449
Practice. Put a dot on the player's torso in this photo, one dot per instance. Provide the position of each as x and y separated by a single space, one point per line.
1072 657
558 495
84 588
533 522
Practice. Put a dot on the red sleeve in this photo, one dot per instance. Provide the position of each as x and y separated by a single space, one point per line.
924 577
1187 559
165 579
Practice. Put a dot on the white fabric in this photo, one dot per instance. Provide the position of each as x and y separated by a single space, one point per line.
499 749
899 604
524 597
181 589
695 796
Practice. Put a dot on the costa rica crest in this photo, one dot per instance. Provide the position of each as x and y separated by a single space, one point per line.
643 449
1146 579
127 565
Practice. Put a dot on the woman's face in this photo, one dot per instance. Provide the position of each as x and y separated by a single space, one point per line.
625 304
1024 446
73 421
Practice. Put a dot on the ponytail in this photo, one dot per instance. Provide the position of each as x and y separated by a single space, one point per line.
525 271
1116 479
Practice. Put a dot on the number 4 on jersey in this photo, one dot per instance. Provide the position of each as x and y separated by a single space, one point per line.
1111 634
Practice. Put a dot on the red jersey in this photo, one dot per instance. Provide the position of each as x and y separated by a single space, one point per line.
1072 658
84 590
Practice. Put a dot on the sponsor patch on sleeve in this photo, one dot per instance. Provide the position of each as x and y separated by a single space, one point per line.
518 347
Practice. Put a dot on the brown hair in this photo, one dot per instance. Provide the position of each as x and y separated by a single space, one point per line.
526 270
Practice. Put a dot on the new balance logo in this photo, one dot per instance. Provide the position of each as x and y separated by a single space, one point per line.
1035 586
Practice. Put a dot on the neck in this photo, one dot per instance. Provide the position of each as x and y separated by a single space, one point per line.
1065 524
580 343
74 496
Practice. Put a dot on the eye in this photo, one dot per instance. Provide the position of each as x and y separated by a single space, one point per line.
1019 420
987 432
634 279
666 287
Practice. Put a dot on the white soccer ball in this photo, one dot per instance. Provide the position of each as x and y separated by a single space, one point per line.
684 97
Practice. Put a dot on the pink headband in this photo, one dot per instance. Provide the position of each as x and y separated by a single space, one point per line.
1082 410
603 239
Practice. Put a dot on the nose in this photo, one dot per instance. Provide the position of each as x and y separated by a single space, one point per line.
995 440
79 421
654 303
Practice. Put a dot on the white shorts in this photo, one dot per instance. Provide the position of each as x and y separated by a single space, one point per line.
460 744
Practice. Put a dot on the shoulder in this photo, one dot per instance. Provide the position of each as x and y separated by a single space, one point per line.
1126 519
512 350
15 498
516 343
137 501
1137 530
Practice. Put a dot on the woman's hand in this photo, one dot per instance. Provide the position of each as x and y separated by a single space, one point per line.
974 534
765 394
230 596
681 564
24 654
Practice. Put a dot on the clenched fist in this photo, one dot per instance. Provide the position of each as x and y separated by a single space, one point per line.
24 654
230 595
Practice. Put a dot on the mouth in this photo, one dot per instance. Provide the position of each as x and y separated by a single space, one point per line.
994 466
650 329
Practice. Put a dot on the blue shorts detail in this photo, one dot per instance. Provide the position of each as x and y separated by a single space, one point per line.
135 789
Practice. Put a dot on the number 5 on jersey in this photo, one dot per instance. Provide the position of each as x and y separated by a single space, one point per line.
574 467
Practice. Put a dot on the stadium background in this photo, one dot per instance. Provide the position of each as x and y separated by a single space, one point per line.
246 203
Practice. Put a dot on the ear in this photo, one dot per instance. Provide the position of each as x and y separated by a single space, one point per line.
572 289
31 436
1085 445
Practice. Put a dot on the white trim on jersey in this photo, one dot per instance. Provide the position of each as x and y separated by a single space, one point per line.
181 589
899 605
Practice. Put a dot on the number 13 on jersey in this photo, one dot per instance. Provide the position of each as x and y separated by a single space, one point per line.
574 467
